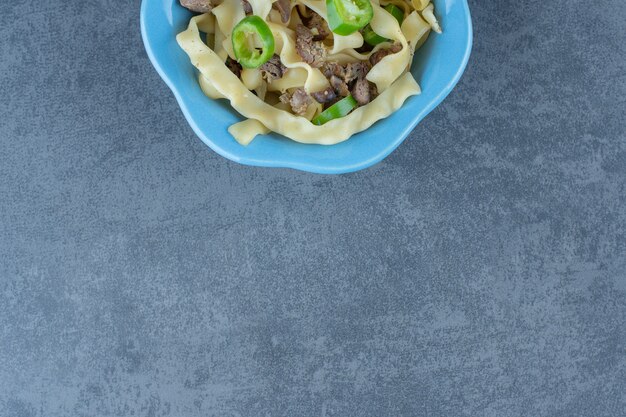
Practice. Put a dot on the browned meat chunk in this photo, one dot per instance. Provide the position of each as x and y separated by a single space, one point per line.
247 7
273 69
319 27
376 57
347 72
373 91
332 68
342 77
311 52
284 7
299 100
325 96
361 91
233 66
199 6
339 85
355 70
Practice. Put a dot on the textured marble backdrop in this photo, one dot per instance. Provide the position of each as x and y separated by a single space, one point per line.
480 270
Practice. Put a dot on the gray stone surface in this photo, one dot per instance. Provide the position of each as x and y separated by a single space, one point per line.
480 270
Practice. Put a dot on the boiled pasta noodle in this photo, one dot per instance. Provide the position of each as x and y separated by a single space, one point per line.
429 16
296 86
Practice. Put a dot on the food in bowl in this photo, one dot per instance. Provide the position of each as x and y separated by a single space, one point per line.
314 71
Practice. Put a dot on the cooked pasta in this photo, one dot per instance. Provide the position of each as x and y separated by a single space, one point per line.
315 71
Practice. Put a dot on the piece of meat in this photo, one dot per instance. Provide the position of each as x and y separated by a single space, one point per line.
373 91
233 66
299 100
332 68
247 7
347 72
325 96
339 86
319 27
198 6
311 52
355 70
350 76
273 69
377 56
361 91
284 7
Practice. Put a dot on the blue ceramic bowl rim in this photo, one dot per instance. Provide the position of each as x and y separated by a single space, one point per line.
308 165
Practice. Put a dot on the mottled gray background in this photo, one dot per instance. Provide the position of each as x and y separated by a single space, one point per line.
480 270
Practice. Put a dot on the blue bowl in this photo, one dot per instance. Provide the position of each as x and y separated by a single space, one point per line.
437 67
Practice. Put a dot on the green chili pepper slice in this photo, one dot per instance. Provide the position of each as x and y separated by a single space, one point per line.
371 37
243 36
348 16
336 111
396 12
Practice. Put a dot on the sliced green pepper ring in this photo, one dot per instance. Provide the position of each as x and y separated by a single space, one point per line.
348 16
396 12
243 40
336 111
371 37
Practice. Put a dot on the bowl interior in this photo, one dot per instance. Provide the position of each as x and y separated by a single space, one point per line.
437 67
